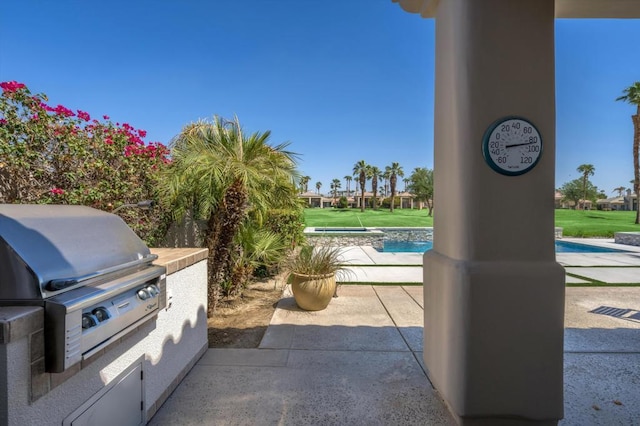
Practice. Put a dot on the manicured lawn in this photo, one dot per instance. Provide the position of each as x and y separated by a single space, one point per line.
575 223
595 223
370 218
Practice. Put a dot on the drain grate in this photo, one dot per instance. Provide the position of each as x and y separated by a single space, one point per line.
631 314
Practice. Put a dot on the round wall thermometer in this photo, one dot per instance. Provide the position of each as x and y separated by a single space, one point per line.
512 146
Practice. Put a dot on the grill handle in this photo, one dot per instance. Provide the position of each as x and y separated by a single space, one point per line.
61 283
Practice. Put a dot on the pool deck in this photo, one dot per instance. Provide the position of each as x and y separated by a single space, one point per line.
372 266
359 362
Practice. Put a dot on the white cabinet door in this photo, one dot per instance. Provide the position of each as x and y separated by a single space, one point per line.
121 404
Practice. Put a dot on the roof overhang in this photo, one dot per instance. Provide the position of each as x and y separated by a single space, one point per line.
564 8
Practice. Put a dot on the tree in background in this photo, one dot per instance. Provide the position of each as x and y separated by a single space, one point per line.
304 183
361 172
348 179
406 183
335 185
386 175
318 186
421 186
586 170
577 190
394 170
223 175
632 96
374 173
620 190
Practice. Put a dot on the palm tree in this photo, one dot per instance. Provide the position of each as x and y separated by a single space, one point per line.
386 175
304 182
318 186
619 190
586 170
395 170
335 185
348 179
632 96
406 182
219 173
360 171
374 174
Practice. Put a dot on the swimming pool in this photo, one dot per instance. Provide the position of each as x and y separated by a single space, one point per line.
561 247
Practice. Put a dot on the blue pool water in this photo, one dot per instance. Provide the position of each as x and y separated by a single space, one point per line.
561 247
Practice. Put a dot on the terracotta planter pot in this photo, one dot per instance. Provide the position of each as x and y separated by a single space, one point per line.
313 292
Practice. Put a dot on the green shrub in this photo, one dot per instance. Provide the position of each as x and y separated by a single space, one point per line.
289 224
343 203
386 203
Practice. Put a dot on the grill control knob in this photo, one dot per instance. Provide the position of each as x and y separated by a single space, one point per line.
101 314
143 294
88 320
153 290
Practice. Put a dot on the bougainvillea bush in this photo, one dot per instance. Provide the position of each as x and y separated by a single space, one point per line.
53 155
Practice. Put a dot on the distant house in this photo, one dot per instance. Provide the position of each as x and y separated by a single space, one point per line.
404 200
561 203
613 203
315 200
628 202
631 200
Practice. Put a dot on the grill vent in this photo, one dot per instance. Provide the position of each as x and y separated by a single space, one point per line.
73 341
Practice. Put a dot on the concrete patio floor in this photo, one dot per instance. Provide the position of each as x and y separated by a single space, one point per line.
359 362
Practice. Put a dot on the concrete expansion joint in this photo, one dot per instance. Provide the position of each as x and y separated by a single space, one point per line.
404 339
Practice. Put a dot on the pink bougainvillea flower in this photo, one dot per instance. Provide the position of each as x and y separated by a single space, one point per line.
11 86
35 117
61 110
3 121
135 140
108 140
46 107
84 115
57 191
142 133
106 117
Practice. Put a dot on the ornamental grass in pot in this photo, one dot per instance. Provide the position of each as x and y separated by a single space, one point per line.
313 276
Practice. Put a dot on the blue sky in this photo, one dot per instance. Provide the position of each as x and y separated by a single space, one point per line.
342 81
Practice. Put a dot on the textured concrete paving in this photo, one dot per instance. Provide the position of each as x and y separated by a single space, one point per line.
608 275
359 362
602 356
573 280
598 259
354 363
383 274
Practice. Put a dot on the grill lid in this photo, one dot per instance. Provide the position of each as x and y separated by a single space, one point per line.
47 248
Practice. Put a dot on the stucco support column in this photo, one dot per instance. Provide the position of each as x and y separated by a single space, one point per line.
494 294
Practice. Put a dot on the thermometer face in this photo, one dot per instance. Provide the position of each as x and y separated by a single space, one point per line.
512 146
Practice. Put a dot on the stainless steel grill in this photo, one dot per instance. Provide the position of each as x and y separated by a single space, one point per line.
87 268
